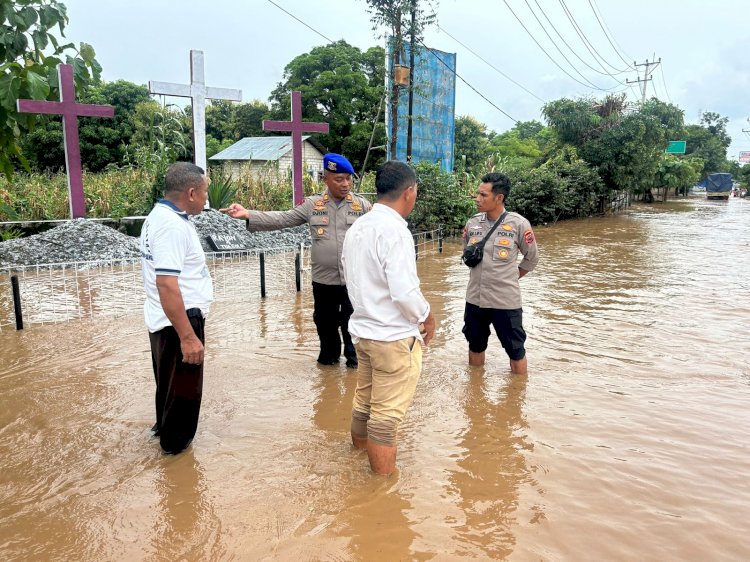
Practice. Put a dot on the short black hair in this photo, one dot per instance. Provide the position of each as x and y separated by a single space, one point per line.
181 176
500 183
392 178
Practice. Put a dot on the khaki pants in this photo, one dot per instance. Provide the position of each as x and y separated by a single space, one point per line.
386 380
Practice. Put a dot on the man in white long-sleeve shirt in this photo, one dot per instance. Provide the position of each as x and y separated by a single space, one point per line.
391 317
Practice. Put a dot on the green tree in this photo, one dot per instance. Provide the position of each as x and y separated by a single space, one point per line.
528 129
717 126
102 141
220 115
707 146
625 146
340 85
29 54
248 119
678 173
471 142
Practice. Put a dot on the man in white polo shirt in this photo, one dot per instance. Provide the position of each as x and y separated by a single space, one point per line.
391 317
179 292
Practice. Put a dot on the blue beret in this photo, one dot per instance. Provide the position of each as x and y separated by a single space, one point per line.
337 164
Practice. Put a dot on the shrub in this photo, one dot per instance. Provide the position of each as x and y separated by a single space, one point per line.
440 200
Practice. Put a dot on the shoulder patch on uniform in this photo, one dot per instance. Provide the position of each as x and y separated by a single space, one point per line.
528 237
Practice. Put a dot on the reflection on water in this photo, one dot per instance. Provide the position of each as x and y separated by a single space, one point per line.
488 475
186 527
626 441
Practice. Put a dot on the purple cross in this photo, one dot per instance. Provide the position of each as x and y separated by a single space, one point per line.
296 126
70 110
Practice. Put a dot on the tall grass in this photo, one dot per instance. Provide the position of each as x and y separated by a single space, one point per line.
128 192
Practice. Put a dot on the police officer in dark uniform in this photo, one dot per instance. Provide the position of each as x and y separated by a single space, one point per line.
329 214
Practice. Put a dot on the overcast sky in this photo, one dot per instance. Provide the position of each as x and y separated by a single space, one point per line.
704 48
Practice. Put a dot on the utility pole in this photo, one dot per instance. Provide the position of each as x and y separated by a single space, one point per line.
642 83
412 46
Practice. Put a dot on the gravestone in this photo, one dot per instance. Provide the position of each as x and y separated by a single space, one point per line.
225 242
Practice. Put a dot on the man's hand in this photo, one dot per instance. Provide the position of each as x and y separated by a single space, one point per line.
427 329
236 211
192 350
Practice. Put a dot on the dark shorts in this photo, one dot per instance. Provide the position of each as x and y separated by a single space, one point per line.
508 326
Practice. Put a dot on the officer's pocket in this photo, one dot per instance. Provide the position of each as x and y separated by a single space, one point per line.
319 228
501 248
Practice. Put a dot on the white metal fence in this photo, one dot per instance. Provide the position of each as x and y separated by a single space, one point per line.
64 291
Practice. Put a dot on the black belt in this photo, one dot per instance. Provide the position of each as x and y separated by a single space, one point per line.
194 313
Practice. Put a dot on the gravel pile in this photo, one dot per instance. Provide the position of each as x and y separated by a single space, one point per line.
81 240
214 222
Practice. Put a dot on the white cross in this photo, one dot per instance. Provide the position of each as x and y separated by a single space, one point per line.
199 93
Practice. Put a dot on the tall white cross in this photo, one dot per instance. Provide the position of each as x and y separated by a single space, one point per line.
199 93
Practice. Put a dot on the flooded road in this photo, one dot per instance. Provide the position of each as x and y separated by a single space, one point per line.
628 439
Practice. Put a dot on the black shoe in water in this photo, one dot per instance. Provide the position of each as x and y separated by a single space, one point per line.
328 361
352 363
155 430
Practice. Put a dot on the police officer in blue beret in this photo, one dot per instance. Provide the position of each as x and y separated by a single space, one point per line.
329 214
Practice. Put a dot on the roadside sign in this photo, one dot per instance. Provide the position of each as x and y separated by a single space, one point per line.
745 156
676 147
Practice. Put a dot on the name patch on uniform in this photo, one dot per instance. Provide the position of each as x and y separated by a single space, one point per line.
320 212
354 213
528 237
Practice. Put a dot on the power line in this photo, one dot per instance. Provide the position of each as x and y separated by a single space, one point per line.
490 65
583 37
589 85
430 50
605 29
465 82
664 81
299 20
606 72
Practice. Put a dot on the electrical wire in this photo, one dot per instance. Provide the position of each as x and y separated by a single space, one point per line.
584 39
601 24
605 73
619 48
490 64
589 85
465 82
664 81
299 20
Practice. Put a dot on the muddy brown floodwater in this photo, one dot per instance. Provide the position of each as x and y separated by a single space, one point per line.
628 439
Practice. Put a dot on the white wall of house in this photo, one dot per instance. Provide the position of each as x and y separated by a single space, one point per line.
312 163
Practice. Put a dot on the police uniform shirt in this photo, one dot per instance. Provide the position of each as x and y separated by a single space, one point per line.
494 282
328 222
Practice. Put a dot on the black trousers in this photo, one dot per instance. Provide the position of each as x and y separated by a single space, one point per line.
179 386
331 312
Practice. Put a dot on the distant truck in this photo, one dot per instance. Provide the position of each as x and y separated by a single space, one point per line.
718 186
